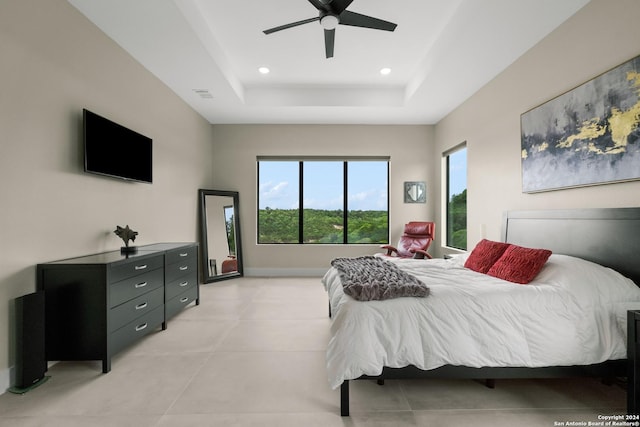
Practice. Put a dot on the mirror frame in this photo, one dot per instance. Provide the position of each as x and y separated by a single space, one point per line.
204 247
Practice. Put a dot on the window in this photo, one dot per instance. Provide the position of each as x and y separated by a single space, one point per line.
231 230
326 189
456 197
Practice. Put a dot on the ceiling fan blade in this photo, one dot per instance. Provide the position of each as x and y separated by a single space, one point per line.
338 6
322 6
293 24
358 20
334 7
329 41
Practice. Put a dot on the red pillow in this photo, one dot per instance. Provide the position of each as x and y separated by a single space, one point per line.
519 265
485 254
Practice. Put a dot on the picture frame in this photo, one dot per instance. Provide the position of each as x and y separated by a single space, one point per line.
589 135
415 192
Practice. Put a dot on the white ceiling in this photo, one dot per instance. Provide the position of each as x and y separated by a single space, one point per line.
209 51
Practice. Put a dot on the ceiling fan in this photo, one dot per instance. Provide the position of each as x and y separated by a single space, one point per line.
332 13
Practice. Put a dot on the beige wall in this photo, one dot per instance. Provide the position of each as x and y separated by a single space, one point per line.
236 148
600 36
53 64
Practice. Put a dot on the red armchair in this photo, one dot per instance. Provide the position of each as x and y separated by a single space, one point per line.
229 265
414 242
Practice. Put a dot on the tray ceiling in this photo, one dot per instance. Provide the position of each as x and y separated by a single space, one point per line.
209 52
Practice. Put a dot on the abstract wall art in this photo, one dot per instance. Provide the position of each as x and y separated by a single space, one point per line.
415 192
587 136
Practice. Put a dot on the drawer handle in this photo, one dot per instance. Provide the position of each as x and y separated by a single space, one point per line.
184 299
184 254
183 284
141 327
184 267
140 267
141 306
141 285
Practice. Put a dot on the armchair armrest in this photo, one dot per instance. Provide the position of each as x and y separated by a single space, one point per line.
390 249
420 254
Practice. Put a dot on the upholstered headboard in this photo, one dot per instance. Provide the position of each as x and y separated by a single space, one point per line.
608 236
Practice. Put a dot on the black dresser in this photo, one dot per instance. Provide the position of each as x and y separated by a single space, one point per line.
96 305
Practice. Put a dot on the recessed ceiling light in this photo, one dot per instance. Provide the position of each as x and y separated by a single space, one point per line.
385 71
263 70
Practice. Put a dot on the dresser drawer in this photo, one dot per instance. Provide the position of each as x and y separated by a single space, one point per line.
181 268
182 254
133 287
176 287
132 309
135 267
175 305
136 329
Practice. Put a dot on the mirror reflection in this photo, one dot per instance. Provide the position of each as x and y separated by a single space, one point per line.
220 235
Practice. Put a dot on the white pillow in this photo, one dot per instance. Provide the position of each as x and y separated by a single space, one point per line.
587 280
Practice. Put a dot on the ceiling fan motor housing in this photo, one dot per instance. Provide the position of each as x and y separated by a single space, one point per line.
329 21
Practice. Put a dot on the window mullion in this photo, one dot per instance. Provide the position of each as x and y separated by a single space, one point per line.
449 221
300 203
345 204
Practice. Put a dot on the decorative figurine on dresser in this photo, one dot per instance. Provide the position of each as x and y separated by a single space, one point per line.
126 234
96 305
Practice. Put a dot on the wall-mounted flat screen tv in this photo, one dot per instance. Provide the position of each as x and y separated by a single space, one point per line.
113 150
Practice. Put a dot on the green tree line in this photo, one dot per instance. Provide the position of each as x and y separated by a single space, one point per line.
457 221
322 226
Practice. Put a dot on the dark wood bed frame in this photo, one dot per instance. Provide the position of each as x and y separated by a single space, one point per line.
610 237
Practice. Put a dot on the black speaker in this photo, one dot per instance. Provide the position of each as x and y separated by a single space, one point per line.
30 358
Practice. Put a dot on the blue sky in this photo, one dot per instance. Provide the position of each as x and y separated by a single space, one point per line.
279 186
458 171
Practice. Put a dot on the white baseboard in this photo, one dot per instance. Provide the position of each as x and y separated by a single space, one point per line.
5 379
285 272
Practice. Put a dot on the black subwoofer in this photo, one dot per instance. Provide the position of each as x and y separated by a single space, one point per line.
30 358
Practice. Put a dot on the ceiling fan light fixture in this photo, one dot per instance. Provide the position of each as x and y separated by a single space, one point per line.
329 22
332 13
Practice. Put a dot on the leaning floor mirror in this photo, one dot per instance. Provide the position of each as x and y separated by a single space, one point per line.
220 241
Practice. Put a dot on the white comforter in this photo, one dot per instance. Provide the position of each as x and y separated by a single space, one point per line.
573 313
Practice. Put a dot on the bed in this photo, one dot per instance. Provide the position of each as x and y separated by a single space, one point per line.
571 320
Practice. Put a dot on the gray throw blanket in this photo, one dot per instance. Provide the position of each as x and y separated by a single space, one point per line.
370 278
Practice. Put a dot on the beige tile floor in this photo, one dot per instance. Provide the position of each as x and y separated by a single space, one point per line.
252 354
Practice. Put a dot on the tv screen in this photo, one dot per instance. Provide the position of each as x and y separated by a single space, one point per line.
113 150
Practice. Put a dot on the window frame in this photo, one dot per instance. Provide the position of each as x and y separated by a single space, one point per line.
446 196
345 191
